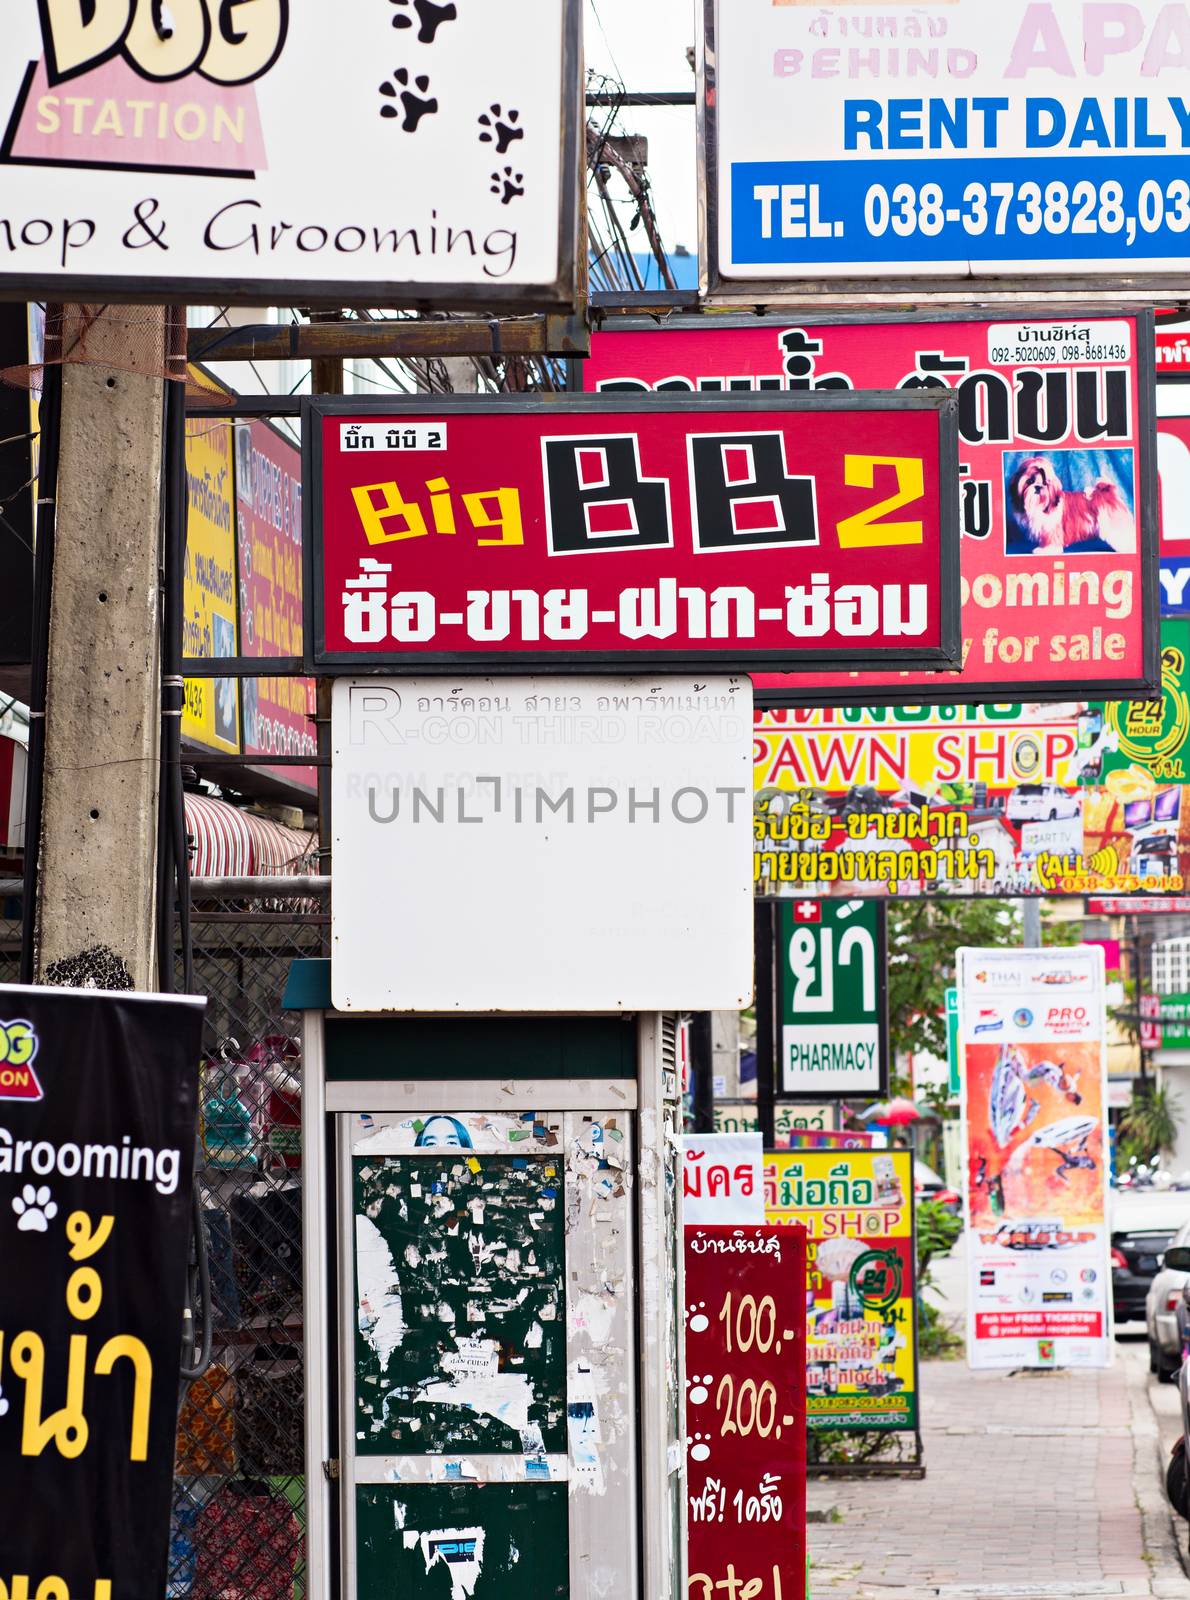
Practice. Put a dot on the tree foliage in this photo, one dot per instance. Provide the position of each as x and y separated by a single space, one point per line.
1149 1127
923 935
936 1228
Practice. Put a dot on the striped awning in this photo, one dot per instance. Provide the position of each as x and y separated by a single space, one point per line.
220 843
280 852
228 843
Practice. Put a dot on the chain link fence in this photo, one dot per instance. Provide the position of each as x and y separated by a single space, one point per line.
238 1524
239 1492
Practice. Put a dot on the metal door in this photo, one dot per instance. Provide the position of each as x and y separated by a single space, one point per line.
487 1355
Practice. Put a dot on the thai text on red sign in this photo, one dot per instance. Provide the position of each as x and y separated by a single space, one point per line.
1056 468
1173 347
1137 905
278 712
746 1411
675 533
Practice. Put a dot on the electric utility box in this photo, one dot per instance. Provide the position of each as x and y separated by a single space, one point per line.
492 1305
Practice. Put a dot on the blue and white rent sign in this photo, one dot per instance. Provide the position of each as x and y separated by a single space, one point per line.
948 139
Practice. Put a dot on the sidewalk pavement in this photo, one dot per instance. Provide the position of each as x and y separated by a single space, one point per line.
1036 1484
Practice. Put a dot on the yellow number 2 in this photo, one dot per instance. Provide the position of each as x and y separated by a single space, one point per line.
863 530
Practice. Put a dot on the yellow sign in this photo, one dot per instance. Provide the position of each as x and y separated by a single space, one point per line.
212 712
861 1350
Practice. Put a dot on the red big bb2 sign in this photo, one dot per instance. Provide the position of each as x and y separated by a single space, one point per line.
649 530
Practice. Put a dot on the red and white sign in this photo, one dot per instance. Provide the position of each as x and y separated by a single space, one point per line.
1056 481
1173 348
1036 1157
685 532
746 1411
1173 474
13 763
1150 1022
1137 905
278 712
722 1178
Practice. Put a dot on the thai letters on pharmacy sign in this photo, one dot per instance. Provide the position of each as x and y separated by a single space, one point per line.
678 530
165 148
950 140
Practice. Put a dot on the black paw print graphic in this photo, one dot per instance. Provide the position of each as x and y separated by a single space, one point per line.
415 106
430 16
501 126
510 182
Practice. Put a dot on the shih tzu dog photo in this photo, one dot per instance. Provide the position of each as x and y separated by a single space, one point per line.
1051 517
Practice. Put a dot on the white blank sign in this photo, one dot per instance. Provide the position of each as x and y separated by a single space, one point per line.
504 846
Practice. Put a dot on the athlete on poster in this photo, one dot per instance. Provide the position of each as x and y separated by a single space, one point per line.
1032 1032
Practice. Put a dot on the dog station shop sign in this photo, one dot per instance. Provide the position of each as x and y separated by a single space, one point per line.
153 151
679 532
953 144
1057 480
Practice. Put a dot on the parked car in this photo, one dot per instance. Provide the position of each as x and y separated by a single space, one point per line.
1161 1314
1143 1223
1041 802
927 1185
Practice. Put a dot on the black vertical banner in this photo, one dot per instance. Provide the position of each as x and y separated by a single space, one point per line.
98 1102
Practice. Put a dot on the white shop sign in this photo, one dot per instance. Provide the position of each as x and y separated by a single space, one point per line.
722 1180
255 150
946 141
500 846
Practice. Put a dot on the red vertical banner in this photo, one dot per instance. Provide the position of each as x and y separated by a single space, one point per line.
746 1412
1151 1036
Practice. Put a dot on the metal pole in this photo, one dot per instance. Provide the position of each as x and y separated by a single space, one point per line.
702 1066
1138 960
766 1021
1032 922
326 377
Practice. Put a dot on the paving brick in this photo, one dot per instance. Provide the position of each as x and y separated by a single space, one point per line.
1029 1480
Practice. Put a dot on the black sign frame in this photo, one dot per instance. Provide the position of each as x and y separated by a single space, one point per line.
322 661
780 989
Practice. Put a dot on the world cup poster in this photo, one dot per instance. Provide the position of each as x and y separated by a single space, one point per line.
1032 1035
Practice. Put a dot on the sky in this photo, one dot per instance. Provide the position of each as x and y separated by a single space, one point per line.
643 43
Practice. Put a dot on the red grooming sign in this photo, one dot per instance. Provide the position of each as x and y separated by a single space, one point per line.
808 531
746 1411
1057 468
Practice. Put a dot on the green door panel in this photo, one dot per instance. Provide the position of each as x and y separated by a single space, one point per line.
462 1541
461 1317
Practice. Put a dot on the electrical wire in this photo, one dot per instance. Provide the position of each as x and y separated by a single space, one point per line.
49 414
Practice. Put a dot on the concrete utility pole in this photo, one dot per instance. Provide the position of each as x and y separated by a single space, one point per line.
96 884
